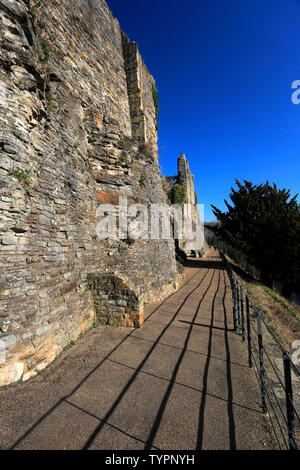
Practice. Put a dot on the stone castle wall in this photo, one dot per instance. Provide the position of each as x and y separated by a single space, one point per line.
183 184
76 115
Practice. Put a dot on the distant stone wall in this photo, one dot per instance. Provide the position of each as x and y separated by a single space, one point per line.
183 185
115 302
75 110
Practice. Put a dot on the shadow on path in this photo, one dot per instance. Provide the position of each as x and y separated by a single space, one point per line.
164 402
60 401
131 380
232 438
206 264
205 375
207 326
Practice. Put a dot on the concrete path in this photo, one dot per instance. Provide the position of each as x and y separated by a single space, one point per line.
181 382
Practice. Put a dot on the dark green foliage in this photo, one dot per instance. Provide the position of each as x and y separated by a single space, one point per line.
179 195
264 224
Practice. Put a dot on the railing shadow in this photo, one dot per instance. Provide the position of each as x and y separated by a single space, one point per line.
232 437
157 421
165 399
205 375
98 429
207 326
61 400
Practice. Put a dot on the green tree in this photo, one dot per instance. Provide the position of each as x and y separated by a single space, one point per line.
264 223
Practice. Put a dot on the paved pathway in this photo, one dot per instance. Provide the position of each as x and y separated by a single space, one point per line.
180 382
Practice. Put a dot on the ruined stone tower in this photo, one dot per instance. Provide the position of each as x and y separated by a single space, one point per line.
181 190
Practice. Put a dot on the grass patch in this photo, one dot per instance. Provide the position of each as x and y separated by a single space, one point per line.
283 316
282 301
70 345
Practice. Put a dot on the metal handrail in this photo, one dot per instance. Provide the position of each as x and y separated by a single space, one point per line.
241 309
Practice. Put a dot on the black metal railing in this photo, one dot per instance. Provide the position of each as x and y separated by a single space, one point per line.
271 363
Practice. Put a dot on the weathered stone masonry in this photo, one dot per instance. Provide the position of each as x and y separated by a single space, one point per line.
181 190
76 115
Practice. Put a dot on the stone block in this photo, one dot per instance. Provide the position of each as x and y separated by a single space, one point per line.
11 373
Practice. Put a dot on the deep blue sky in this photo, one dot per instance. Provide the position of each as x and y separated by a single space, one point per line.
224 70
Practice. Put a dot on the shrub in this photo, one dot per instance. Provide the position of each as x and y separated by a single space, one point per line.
146 149
46 49
180 194
33 13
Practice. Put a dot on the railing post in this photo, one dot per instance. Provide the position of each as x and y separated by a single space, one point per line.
261 363
249 331
289 400
238 301
242 312
235 307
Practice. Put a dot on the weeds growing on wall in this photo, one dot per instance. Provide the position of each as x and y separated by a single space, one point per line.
180 194
22 177
46 49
